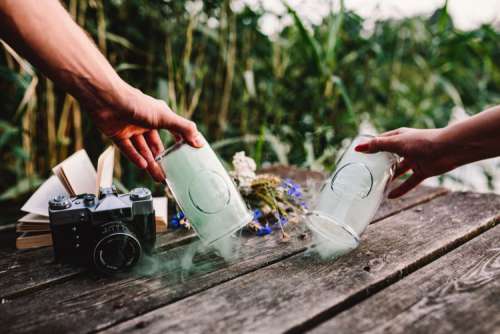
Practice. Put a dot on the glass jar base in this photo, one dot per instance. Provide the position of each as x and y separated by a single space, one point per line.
333 237
236 228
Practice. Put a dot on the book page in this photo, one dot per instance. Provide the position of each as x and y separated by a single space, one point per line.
38 203
160 207
62 178
105 167
33 218
79 173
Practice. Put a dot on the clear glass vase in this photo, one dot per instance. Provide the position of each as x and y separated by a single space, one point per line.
349 199
204 191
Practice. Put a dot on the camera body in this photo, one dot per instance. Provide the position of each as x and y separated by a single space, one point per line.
109 232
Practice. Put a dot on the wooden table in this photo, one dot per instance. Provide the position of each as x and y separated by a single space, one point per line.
429 263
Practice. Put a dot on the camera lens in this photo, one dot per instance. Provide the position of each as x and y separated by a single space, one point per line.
117 249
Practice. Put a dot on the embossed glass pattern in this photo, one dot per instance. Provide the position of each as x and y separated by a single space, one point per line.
204 191
351 195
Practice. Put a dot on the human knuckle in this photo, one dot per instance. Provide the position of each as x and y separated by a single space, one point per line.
191 127
375 143
163 104
142 165
155 120
404 147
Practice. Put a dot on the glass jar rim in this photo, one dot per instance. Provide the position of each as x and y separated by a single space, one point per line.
169 150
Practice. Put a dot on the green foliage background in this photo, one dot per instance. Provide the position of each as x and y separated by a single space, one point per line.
291 99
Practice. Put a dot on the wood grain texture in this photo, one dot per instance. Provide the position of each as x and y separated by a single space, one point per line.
87 302
458 293
298 293
7 238
24 271
117 300
299 175
420 194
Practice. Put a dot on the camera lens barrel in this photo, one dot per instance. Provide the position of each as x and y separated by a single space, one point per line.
117 248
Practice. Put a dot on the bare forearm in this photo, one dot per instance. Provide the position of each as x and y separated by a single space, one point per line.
44 33
474 139
430 152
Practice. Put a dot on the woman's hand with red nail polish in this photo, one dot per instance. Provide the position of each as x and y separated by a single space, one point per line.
423 152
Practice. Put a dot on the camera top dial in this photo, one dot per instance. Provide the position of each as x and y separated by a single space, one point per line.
59 202
140 194
89 199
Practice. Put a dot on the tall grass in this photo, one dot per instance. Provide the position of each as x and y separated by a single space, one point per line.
292 99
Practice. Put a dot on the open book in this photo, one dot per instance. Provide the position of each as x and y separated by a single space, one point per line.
75 175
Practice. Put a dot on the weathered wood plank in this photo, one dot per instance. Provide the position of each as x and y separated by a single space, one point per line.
417 196
301 291
88 302
458 293
22 272
7 238
302 176
85 295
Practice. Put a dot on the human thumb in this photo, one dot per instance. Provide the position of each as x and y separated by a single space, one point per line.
378 144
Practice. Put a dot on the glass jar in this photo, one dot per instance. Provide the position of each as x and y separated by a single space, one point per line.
204 191
349 199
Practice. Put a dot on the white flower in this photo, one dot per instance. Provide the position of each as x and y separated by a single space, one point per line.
244 170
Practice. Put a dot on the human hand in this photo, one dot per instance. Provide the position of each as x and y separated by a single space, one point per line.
423 151
126 115
133 123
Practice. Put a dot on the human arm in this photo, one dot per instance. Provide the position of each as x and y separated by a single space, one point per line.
432 152
44 33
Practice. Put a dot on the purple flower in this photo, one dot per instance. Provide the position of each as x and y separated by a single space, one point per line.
174 223
280 222
283 220
292 189
264 230
176 220
257 214
295 192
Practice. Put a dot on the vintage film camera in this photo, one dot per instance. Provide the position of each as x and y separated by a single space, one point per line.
110 232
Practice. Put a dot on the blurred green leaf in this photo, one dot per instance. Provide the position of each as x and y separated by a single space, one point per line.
333 34
310 41
22 187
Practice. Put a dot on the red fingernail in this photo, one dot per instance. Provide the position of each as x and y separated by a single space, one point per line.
394 194
361 148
